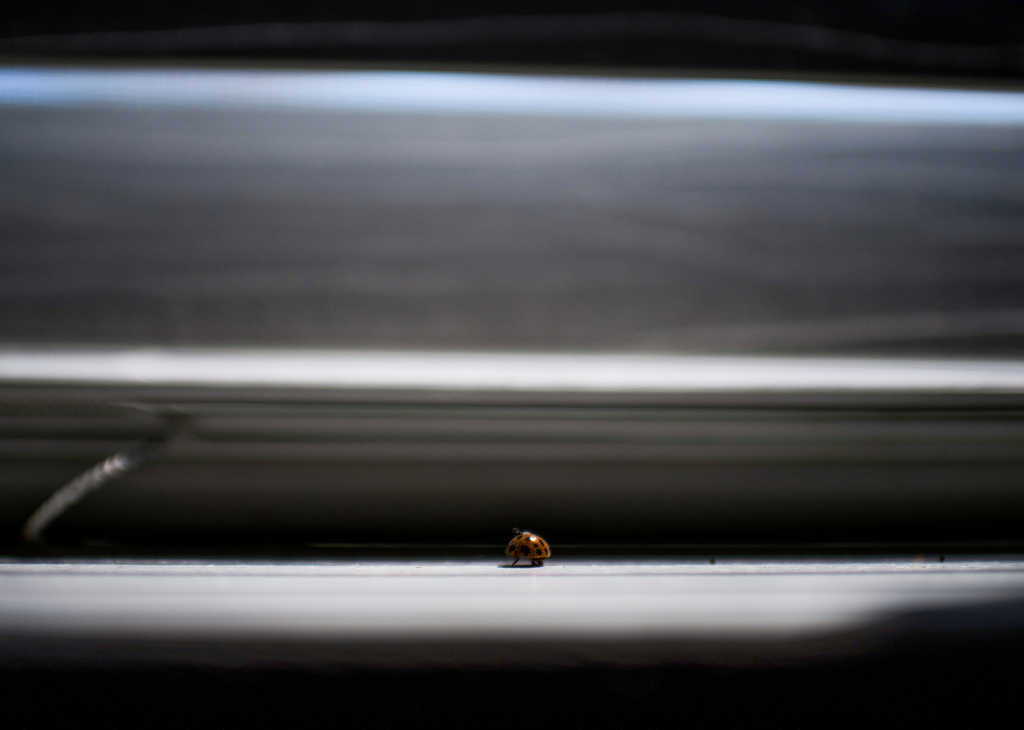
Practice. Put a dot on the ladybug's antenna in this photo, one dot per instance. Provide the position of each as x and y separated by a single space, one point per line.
517 531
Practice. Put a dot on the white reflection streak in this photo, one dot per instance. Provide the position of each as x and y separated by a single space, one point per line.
505 372
493 94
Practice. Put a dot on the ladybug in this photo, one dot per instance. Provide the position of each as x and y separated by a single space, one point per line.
528 545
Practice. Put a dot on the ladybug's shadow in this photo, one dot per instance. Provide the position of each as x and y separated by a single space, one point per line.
517 567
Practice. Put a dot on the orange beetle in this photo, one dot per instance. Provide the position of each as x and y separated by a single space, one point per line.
528 545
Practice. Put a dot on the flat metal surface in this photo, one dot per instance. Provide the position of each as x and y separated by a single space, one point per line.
432 602
431 212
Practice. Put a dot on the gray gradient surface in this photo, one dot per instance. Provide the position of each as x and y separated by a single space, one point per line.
192 226
469 603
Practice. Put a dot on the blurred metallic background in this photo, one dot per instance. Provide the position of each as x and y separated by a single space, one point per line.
283 224
452 212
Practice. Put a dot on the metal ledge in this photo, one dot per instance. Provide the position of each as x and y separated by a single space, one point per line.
431 613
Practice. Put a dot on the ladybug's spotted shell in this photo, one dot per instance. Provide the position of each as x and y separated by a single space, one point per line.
529 546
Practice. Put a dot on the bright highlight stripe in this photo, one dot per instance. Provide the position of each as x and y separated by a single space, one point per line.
504 372
492 94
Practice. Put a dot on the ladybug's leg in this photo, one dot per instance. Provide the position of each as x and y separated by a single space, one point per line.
515 561
537 562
